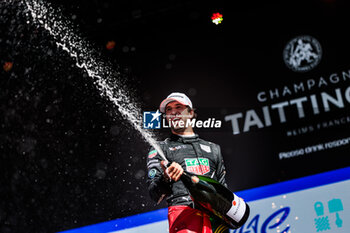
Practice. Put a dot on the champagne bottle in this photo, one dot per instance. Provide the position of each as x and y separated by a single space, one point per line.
215 199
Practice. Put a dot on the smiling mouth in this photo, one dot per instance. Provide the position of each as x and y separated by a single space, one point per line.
175 121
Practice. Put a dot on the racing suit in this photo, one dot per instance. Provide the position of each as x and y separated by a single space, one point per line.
197 156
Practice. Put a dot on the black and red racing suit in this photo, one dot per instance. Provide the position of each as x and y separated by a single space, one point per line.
195 155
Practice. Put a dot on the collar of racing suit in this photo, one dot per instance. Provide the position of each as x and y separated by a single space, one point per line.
194 138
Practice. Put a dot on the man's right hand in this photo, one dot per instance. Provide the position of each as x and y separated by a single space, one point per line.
173 172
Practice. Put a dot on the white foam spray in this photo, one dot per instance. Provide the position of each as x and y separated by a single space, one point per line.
103 76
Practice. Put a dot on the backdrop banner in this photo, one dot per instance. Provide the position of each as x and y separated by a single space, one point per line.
317 203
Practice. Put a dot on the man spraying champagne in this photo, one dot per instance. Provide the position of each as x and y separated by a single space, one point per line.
187 153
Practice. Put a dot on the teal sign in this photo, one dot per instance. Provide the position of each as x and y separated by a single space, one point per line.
322 222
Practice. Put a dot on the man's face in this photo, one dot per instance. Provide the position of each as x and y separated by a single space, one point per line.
177 115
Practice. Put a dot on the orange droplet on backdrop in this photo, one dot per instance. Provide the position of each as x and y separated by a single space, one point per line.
8 66
110 45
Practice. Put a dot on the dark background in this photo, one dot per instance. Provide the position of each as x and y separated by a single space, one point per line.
68 159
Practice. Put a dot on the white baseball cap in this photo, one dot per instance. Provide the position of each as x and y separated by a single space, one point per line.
175 96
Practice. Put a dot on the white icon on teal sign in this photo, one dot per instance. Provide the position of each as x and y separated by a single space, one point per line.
322 222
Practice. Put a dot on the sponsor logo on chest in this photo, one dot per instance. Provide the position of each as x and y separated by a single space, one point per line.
174 148
205 148
152 154
198 166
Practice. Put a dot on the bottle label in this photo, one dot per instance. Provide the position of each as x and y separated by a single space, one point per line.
237 209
